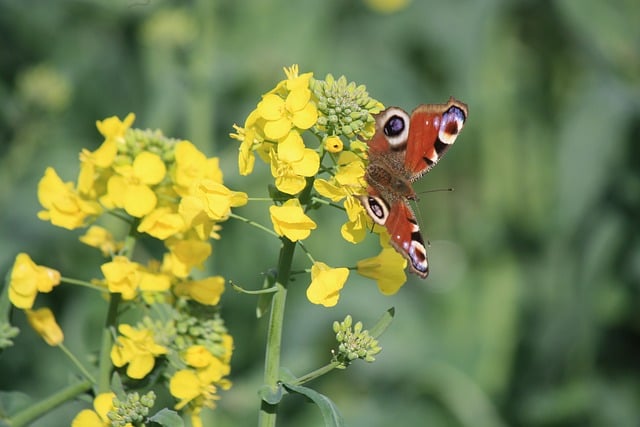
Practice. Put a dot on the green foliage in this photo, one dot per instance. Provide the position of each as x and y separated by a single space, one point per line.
529 316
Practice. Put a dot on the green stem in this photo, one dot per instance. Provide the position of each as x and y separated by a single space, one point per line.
29 414
267 416
104 362
315 374
76 362
255 224
82 283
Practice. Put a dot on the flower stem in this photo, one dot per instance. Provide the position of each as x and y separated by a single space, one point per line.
76 362
315 374
29 414
267 416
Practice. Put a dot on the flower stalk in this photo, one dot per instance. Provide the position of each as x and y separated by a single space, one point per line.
267 416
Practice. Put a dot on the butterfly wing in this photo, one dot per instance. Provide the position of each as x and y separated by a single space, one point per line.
433 129
406 237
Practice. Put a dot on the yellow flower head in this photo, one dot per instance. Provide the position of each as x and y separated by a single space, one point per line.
101 238
122 276
44 323
206 291
131 189
387 269
289 220
192 166
114 128
137 348
355 229
63 205
212 199
27 279
162 223
333 144
326 283
103 403
282 114
290 176
197 356
184 255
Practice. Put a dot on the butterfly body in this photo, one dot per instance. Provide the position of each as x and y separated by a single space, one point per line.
404 148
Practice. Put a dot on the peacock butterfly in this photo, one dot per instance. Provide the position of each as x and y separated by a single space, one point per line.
402 150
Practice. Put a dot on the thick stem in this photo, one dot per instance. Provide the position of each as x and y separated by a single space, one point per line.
267 416
35 411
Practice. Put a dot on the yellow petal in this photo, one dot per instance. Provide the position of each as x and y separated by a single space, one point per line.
149 168
271 107
326 283
306 117
308 165
291 149
277 129
44 323
298 99
387 269
139 200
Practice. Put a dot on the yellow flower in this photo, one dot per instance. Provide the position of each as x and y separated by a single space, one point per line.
130 187
199 386
113 128
206 291
162 223
354 230
63 206
211 198
44 323
281 115
184 255
103 403
27 279
289 220
326 283
137 348
333 144
291 148
192 166
93 168
186 386
387 269
151 281
122 276
290 176
101 238
198 356
348 180
250 138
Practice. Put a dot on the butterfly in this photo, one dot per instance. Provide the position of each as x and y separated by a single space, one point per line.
402 150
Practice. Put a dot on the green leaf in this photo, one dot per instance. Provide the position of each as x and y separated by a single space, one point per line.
272 396
329 410
167 417
383 323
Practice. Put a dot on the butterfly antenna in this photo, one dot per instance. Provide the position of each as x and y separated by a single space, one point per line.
437 190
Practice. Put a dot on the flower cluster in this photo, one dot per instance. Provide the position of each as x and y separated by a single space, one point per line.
338 115
170 191
354 342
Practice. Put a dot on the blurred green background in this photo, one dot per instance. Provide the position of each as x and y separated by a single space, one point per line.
531 314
